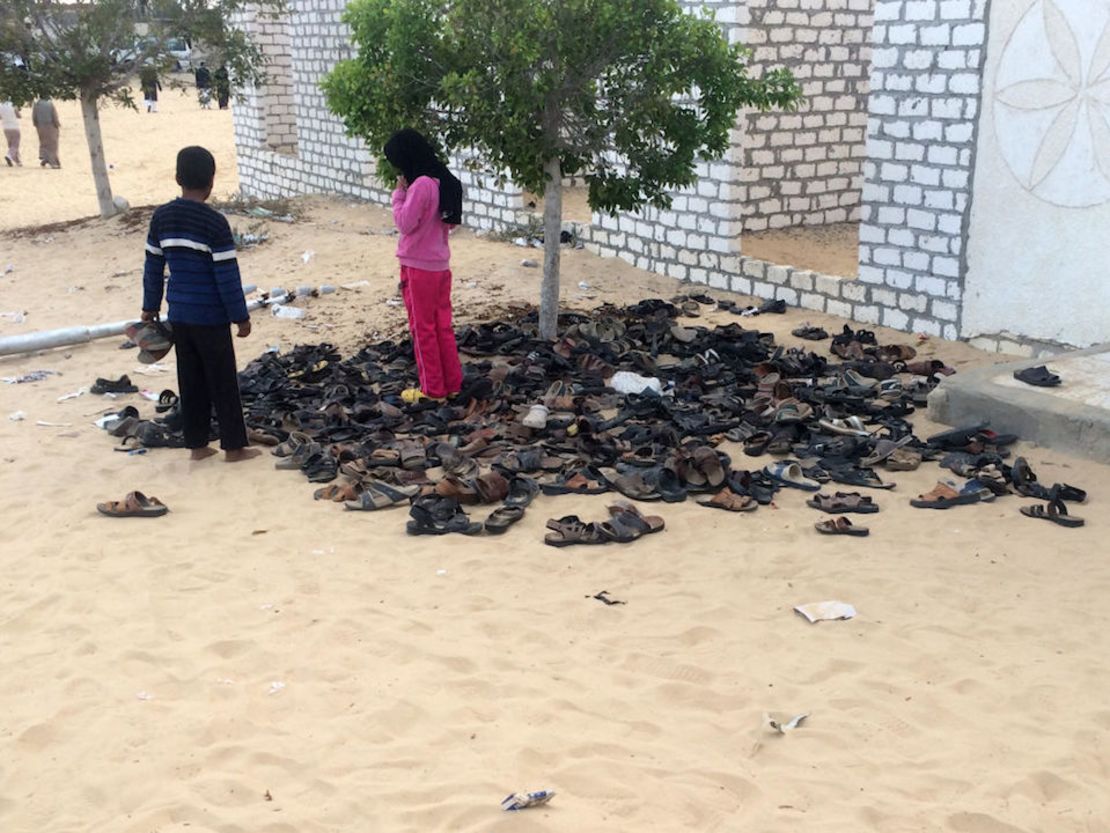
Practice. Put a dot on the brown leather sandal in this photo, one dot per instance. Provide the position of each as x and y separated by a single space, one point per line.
730 501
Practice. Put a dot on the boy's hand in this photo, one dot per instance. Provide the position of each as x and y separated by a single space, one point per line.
148 316
244 328
402 183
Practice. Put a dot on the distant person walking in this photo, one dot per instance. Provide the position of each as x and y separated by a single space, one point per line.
203 76
148 80
223 86
44 116
9 116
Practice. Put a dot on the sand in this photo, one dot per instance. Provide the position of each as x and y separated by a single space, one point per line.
831 250
423 679
139 146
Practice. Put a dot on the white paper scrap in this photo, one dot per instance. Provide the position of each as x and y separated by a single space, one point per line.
826 611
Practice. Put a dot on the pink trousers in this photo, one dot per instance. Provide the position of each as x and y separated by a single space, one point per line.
427 297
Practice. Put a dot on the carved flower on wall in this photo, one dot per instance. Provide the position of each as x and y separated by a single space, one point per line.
1052 102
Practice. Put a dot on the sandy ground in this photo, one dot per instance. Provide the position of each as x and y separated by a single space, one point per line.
417 681
831 250
141 147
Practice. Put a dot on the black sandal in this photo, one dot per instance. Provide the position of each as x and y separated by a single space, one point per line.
1054 511
502 518
1040 377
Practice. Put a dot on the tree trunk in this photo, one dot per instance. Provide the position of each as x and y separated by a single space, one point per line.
91 116
552 229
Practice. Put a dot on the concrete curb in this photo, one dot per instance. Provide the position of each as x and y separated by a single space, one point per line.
1040 415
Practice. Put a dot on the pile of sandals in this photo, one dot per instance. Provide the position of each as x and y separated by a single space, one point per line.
719 414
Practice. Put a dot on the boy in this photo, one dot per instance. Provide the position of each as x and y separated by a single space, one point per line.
205 296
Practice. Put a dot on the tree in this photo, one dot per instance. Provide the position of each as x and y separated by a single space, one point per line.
628 93
91 51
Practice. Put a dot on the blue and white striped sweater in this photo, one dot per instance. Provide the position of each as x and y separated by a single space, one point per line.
204 286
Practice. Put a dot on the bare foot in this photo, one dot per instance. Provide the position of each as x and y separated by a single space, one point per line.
238 455
201 453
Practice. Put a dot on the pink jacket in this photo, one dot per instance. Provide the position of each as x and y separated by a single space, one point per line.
423 243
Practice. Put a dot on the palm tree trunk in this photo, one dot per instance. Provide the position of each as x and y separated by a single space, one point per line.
90 114
552 229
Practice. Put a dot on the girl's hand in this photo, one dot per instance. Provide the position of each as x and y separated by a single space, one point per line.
402 183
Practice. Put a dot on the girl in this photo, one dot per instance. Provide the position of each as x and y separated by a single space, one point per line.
426 203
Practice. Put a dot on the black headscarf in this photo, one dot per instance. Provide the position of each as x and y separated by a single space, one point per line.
413 155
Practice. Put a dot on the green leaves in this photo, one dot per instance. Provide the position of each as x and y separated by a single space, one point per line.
90 48
629 92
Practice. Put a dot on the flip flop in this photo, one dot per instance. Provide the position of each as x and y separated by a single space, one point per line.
843 502
135 505
120 385
1054 511
903 459
790 474
709 463
1025 482
857 476
1070 493
434 515
633 484
337 492
585 481
650 523
1040 377
850 427
730 501
522 490
502 518
378 495
945 496
571 529
841 526
810 333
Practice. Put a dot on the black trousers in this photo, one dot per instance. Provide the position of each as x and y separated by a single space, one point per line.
206 377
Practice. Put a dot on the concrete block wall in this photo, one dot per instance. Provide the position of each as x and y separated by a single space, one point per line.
926 81
321 157
922 115
805 167
698 237
280 112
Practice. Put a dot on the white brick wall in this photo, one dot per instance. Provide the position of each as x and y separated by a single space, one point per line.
890 144
936 45
804 167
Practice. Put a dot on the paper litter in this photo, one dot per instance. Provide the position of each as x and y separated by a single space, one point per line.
308 255
148 395
74 395
14 317
523 800
17 416
275 687
826 611
626 382
153 369
783 723
33 376
144 695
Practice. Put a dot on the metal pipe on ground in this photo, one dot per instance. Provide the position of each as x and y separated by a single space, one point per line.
69 336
